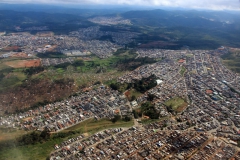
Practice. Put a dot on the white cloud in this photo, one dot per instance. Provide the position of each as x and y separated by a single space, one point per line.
197 4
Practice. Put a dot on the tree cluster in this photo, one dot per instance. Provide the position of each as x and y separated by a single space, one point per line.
115 86
149 110
140 85
1 76
118 118
132 63
78 63
33 138
33 70
146 109
145 84
63 65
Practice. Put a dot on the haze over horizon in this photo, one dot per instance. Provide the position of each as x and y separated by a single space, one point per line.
187 4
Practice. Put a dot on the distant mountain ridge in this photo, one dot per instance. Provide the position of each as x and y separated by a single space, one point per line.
74 10
162 18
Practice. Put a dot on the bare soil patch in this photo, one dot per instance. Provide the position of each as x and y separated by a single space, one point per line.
24 63
20 54
11 48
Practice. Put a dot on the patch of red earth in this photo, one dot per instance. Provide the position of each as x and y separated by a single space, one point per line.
182 107
209 91
181 61
20 54
33 63
24 63
11 48
128 94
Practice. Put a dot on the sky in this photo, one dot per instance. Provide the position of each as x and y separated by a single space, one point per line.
192 4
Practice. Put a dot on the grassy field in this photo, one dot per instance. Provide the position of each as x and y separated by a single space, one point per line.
93 70
178 104
40 151
37 152
232 60
183 70
92 126
13 79
12 76
135 93
10 133
148 121
3 65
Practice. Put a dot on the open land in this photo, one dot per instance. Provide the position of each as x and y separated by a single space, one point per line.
24 63
232 59
177 104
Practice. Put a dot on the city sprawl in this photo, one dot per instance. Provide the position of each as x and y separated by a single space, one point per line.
77 43
208 127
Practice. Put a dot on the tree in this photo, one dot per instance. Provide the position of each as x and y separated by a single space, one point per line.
116 118
45 134
135 114
129 85
79 63
178 119
96 83
151 97
1 76
149 110
169 109
133 97
114 86
127 118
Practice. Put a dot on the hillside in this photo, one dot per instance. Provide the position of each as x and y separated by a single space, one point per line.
199 19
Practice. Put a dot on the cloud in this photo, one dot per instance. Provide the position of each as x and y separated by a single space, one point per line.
195 4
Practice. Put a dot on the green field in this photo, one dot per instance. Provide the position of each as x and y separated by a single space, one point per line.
177 104
148 121
41 150
135 93
10 133
10 78
232 60
183 70
92 126
92 70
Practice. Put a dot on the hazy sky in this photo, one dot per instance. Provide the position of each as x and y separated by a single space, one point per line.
197 4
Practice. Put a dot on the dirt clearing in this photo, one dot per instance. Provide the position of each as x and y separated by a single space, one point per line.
24 63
